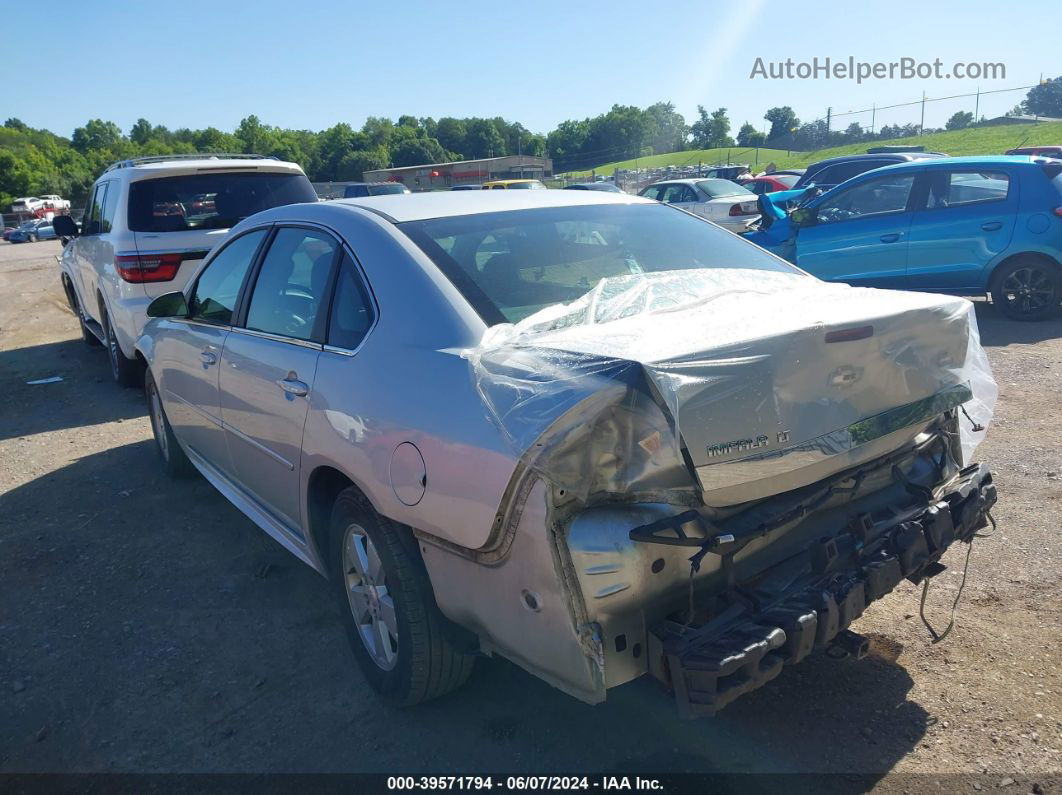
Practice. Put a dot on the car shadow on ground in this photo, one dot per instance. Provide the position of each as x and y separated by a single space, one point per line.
87 395
146 625
998 331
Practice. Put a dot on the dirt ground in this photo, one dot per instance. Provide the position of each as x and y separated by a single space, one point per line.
147 626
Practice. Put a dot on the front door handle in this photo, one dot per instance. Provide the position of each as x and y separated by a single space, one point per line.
293 386
208 357
891 238
992 226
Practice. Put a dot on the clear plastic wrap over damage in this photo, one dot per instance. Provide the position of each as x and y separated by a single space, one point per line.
754 381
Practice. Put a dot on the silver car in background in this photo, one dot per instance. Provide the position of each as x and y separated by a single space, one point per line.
585 431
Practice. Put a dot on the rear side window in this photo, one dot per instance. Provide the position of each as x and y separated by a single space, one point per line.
110 203
292 283
91 222
351 309
959 188
211 200
215 293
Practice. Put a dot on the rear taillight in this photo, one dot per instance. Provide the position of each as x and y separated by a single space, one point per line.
744 208
1058 212
148 267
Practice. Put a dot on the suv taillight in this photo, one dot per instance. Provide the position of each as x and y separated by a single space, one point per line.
1058 212
744 208
148 267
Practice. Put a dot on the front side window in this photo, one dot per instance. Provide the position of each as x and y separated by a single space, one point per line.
652 192
877 197
959 188
352 312
509 265
292 283
676 194
216 200
215 293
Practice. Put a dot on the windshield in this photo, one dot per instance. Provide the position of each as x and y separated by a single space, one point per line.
380 190
718 188
509 265
211 201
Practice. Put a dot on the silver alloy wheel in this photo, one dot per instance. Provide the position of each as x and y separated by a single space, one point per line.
158 423
371 604
1028 289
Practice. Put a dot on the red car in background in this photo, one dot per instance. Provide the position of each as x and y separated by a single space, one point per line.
1048 151
769 183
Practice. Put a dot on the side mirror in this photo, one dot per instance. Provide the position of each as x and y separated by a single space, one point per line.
168 305
803 216
64 226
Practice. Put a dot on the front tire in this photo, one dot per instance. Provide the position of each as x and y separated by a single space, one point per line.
126 372
174 459
1028 288
401 640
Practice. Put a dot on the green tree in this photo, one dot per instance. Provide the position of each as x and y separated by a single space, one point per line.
1045 99
96 134
353 165
744 133
451 134
783 121
711 131
483 139
417 151
333 145
668 131
141 132
959 120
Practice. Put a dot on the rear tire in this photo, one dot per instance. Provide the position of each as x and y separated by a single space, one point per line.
126 372
174 459
1028 288
401 640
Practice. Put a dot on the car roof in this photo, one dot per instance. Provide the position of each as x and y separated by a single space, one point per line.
898 156
159 168
969 160
443 204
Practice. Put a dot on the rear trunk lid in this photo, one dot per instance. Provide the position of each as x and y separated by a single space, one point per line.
778 380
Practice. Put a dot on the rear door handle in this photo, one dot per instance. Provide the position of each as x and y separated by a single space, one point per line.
891 238
992 226
293 386
208 357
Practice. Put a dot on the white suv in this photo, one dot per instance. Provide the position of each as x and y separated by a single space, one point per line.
148 223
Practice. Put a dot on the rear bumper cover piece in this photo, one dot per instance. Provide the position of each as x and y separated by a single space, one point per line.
748 644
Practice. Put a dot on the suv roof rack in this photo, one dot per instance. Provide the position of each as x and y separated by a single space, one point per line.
137 161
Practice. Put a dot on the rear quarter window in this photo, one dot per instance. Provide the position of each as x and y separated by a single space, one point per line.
211 201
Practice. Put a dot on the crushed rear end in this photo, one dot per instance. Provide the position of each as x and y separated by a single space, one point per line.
736 463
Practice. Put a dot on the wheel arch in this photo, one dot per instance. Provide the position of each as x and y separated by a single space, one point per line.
1041 256
322 487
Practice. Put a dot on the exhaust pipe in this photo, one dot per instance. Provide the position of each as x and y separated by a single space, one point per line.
849 644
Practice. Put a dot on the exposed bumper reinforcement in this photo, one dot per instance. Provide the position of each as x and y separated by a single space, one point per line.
744 648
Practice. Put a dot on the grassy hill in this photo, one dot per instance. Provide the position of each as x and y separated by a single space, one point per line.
973 141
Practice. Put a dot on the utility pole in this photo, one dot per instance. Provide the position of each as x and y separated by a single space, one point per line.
922 124
873 116
977 104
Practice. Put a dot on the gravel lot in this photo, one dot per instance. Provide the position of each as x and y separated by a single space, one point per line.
147 626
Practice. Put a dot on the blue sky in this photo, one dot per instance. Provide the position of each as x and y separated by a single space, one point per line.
312 64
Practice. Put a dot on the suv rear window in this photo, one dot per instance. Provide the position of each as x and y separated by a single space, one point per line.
211 201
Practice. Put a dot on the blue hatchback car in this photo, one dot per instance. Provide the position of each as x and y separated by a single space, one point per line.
962 225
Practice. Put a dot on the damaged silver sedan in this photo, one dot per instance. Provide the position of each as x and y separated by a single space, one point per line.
596 435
